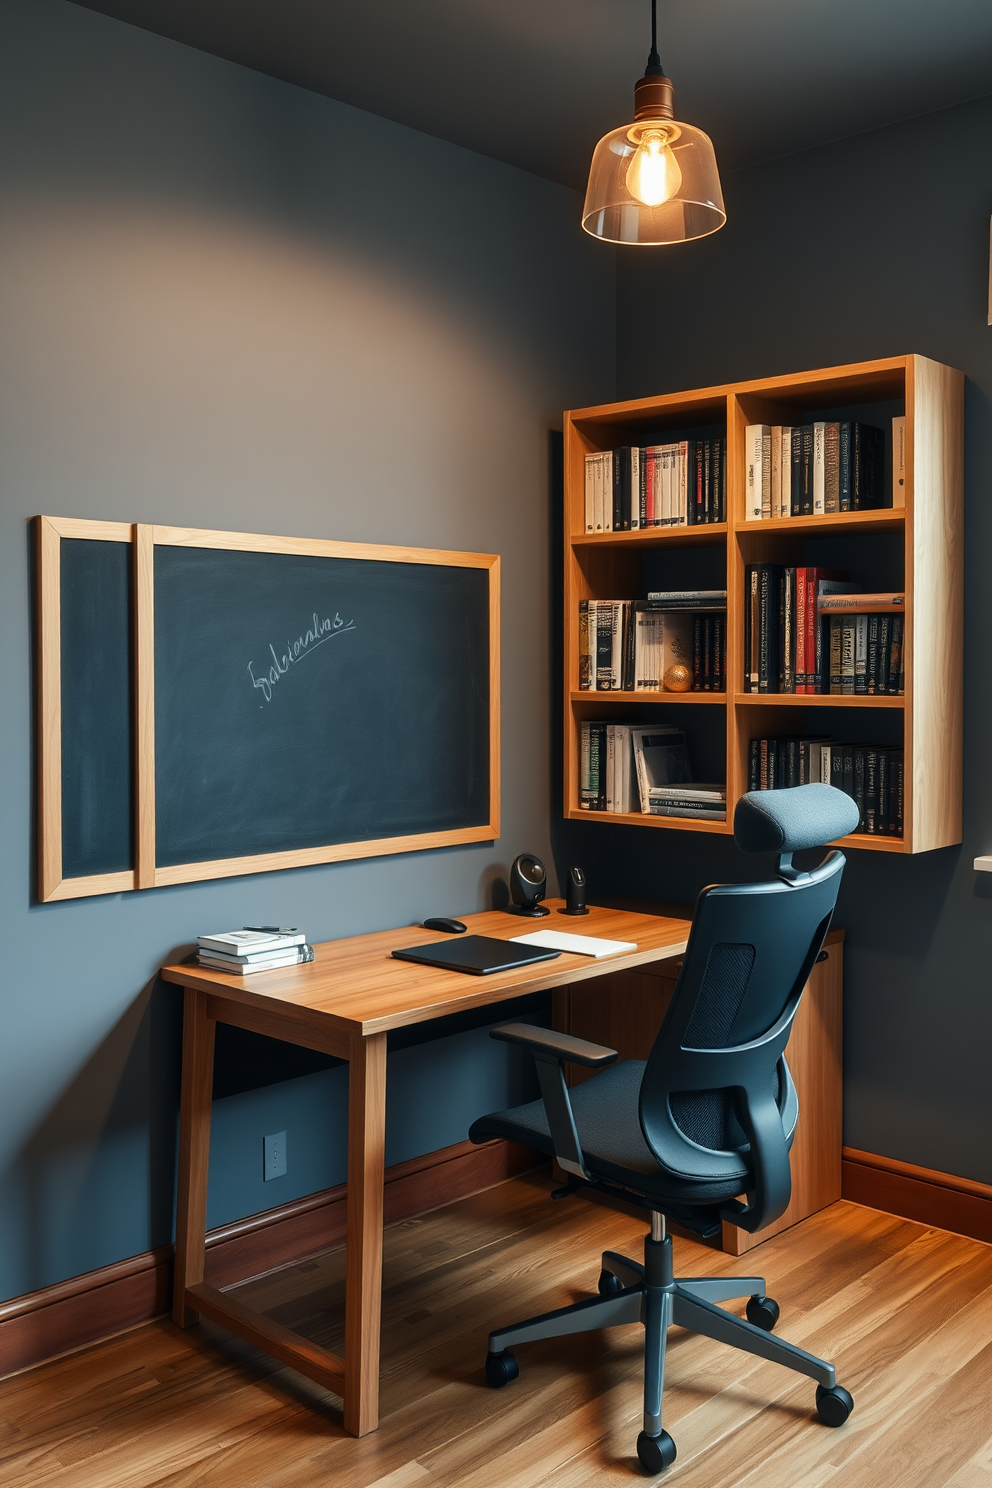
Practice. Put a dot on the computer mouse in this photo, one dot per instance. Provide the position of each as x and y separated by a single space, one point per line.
451 927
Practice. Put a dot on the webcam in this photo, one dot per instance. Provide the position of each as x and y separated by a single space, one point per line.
528 881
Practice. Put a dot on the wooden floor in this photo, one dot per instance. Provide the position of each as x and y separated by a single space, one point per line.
904 1312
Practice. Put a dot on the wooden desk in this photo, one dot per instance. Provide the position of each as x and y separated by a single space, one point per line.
344 1003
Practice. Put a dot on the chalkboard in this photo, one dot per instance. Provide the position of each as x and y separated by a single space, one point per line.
216 703
303 701
96 703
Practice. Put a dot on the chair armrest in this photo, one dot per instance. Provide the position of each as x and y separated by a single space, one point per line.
545 1043
551 1051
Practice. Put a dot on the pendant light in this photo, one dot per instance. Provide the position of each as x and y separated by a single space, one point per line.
653 181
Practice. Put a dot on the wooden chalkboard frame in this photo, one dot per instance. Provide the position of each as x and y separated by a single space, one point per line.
49 534
144 538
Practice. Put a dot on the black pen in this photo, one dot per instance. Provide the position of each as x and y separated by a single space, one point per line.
273 929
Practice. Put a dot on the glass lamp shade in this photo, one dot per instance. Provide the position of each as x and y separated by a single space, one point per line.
674 175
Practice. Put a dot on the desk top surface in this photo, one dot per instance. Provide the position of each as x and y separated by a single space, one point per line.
356 986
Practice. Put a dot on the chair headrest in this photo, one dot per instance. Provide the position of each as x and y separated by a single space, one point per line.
788 821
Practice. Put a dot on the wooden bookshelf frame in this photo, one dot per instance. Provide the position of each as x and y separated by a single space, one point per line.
146 873
608 566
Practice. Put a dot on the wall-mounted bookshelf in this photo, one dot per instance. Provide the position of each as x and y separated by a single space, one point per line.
917 548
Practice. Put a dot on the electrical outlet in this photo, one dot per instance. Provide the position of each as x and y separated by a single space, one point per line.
274 1156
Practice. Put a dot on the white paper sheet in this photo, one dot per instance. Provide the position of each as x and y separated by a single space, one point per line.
581 945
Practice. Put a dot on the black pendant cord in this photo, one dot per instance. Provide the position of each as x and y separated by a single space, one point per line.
654 67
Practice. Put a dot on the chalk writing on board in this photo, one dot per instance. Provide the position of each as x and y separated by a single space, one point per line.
318 632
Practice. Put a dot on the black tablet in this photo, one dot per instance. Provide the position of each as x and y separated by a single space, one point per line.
476 954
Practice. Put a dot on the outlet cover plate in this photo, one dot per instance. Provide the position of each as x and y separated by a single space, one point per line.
274 1156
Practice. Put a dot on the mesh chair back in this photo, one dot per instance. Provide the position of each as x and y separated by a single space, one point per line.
717 1100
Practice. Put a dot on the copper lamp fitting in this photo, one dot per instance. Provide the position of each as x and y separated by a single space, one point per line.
654 97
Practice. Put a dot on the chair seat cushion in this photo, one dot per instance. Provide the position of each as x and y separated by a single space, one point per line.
608 1124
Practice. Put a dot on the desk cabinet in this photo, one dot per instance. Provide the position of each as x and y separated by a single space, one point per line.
624 1010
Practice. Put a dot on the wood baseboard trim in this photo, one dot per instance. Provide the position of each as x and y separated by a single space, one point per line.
942 1200
67 1316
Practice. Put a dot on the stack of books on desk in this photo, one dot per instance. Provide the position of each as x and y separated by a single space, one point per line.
243 951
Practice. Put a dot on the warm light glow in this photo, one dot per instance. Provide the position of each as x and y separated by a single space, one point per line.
653 175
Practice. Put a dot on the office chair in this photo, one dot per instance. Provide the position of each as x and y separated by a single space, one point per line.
708 1117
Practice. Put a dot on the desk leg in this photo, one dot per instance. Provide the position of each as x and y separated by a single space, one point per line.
363 1296
194 1152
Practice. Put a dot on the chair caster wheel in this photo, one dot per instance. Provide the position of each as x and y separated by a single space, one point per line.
833 1404
501 1368
763 1312
609 1285
655 1453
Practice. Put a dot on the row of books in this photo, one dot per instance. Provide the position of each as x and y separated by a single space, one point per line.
871 774
819 468
243 952
631 645
866 655
681 484
627 768
807 630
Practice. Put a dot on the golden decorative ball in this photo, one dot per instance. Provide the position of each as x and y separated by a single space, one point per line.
678 678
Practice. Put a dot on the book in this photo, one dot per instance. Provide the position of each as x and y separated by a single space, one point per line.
592 755
861 655
831 462
250 942
699 813
587 625
867 463
610 773
847 655
819 472
844 467
606 491
246 966
769 582
608 645
870 623
754 454
836 603
899 461
688 598
805 471
302 952
660 758
591 462
796 501
751 628
787 658
893 679
586 793
785 504
692 794
836 675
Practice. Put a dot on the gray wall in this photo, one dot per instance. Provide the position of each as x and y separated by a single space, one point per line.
874 246
228 302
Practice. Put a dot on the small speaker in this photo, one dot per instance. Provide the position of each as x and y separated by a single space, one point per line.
528 881
575 893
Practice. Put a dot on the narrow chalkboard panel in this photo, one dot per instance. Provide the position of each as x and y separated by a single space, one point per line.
96 707
303 701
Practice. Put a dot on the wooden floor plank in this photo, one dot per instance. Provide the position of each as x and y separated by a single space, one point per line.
905 1312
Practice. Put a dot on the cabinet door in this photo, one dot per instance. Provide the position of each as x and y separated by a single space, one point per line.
625 1010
